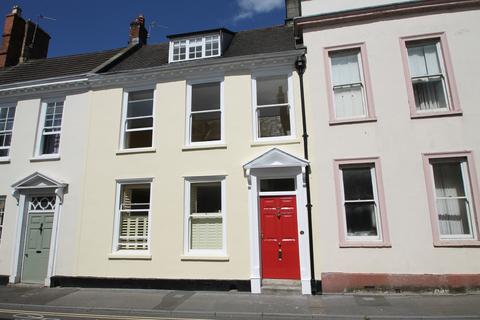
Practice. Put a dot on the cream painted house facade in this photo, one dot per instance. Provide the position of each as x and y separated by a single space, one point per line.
393 113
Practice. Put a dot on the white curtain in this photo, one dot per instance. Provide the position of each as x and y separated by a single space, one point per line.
428 80
452 204
346 72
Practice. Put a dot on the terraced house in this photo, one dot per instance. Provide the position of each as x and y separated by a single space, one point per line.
185 164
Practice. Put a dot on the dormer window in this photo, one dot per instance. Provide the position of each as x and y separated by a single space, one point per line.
199 45
195 48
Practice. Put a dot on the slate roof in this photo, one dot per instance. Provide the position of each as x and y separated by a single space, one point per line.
55 67
257 41
268 40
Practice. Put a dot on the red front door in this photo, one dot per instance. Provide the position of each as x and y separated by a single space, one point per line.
279 236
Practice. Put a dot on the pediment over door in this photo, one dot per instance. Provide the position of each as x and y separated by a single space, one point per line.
275 158
38 181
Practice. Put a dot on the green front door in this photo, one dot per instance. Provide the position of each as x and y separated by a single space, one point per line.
37 247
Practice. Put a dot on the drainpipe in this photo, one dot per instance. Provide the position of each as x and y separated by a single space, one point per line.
301 65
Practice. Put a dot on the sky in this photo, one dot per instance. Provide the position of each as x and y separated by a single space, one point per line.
85 25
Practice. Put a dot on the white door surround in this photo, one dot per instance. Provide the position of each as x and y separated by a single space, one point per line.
35 184
276 163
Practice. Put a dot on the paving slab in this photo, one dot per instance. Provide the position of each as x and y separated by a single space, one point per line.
32 295
121 299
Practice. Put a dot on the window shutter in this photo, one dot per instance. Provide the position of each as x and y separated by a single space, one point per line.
206 233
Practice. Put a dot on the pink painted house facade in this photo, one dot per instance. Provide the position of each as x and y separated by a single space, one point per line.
393 113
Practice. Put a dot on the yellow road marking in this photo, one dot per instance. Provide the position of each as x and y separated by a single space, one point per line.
80 315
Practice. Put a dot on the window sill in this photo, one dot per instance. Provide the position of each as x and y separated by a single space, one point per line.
129 256
352 121
137 150
260 143
204 147
455 113
45 158
204 258
4 160
365 244
456 243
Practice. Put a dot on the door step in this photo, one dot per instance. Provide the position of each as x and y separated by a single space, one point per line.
281 287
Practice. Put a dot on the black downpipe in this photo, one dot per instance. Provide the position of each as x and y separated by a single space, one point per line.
301 65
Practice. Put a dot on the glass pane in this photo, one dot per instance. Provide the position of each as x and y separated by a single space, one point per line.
138 139
206 96
140 109
139 123
349 102
206 233
4 152
206 197
453 216
273 121
361 220
448 179
272 185
206 126
51 144
429 94
5 139
272 90
135 196
345 67
140 95
357 183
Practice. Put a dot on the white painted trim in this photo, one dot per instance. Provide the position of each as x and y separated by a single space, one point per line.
187 252
15 271
254 176
291 104
41 125
116 221
30 86
126 92
188 113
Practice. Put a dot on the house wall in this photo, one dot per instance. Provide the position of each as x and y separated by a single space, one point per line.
168 166
397 139
313 7
69 169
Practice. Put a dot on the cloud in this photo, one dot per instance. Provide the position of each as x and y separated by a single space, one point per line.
248 8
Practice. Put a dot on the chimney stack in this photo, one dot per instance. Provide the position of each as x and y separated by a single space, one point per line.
293 9
138 32
22 40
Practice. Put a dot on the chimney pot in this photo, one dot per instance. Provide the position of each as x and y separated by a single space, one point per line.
17 10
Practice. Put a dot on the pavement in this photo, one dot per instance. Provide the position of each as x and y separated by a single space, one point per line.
39 303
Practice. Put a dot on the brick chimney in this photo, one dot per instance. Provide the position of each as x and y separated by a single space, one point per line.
22 40
138 32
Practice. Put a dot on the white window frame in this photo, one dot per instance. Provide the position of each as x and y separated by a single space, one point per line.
291 104
117 219
2 215
186 229
442 75
360 84
41 127
188 45
468 197
8 106
373 179
126 93
188 125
